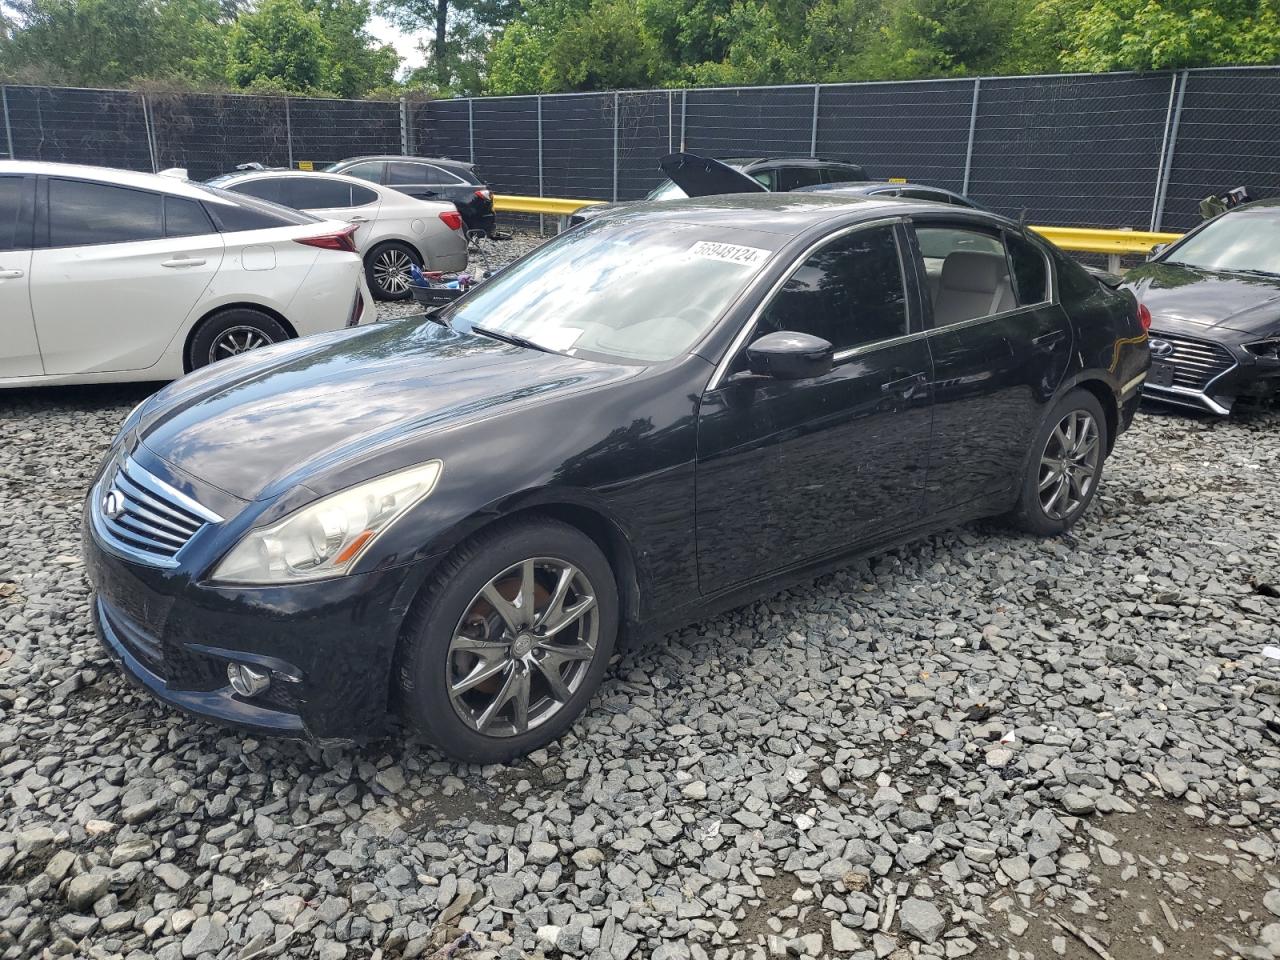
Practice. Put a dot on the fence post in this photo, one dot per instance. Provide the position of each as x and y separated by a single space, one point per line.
615 147
471 127
684 110
404 127
671 121
541 217
1166 158
8 131
813 133
288 132
973 126
151 140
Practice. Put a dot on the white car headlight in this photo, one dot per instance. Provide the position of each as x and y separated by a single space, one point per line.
324 539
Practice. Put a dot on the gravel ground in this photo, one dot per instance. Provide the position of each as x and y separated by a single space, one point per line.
981 745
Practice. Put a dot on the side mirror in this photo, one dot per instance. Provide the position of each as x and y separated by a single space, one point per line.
790 356
1156 250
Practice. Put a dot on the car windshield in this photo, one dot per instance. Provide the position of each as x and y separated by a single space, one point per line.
624 289
1248 241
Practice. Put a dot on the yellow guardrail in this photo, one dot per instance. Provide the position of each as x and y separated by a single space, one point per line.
1080 239
1084 240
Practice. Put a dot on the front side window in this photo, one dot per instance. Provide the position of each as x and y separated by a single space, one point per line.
14 200
370 170
793 178
764 178
632 290
849 293
268 189
967 271
1030 270
83 213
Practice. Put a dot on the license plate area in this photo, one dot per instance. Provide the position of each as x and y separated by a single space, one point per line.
1160 374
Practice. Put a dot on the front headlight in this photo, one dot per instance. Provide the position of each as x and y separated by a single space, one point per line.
1266 349
325 539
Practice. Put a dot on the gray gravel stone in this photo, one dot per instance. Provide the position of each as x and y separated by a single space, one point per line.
921 920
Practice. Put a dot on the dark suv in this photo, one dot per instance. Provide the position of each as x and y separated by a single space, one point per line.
429 178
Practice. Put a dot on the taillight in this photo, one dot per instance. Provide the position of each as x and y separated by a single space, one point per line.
484 194
357 308
342 240
452 220
1144 316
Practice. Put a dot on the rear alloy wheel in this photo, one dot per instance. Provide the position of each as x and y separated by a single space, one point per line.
1065 467
508 644
387 269
231 333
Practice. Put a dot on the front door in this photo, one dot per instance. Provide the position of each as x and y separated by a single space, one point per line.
1000 347
19 348
790 471
111 287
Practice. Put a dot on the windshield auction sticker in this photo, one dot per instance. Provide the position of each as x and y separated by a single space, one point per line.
729 253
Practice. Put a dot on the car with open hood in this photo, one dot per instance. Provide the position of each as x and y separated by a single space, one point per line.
457 519
1214 297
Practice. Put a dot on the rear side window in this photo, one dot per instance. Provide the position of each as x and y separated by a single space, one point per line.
232 211
360 196
1030 270
185 218
967 272
307 193
849 293
842 173
83 213
403 172
15 213
792 178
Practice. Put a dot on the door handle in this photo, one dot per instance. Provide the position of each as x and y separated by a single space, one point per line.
904 386
12 274
1047 340
357 219
183 262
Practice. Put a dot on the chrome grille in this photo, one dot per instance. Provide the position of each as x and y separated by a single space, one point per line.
144 516
1195 363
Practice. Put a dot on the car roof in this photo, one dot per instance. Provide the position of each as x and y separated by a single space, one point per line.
444 161
872 186
797 161
122 178
790 213
239 176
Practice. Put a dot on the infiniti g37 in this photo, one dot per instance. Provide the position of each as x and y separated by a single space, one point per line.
458 519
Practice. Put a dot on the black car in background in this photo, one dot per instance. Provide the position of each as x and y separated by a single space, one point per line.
658 414
1214 298
691 175
430 178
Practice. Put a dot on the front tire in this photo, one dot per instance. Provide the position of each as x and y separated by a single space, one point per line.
231 333
509 642
386 267
1065 466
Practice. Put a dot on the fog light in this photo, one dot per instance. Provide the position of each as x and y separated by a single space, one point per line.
246 680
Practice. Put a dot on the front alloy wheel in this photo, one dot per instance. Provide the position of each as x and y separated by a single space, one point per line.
1069 465
523 647
509 640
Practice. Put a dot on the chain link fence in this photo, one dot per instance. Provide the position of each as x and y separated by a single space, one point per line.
1104 150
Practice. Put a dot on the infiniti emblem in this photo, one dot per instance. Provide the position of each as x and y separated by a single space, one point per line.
112 503
1161 348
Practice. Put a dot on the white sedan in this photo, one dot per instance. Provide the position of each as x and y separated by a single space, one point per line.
392 230
108 275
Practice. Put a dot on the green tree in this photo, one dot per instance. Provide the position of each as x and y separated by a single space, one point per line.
357 62
280 45
112 42
608 48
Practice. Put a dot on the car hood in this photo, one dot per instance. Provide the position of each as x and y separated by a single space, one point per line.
704 177
1207 298
287 414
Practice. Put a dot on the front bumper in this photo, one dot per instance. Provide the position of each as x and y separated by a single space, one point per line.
1209 374
328 646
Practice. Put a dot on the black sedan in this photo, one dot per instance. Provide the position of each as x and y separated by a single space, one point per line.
1214 298
662 413
430 178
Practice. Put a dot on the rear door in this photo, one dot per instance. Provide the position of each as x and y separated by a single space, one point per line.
19 347
425 181
333 200
1000 346
116 272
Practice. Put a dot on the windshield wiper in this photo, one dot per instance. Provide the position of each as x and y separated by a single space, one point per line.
512 338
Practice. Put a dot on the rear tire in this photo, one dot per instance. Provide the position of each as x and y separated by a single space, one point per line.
486 675
230 333
1065 465
386 267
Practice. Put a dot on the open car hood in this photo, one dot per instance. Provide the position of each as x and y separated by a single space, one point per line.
704 177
